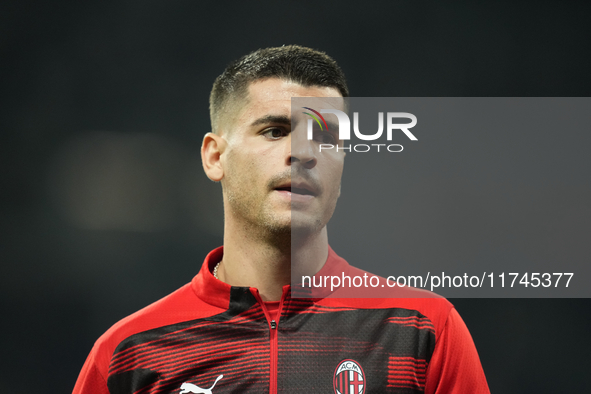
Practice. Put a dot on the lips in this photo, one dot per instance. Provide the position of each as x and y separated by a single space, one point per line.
300 188
297 190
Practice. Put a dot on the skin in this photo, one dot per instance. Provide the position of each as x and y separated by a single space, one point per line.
253 156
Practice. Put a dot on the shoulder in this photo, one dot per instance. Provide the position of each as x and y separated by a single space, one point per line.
433 311
378 294
180 306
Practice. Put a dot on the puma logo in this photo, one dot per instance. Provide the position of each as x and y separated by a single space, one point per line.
191 388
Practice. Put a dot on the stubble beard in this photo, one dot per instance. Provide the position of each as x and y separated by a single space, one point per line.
282 230
254 212
257 220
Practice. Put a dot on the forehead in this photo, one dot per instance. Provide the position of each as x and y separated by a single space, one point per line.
274 95
274 89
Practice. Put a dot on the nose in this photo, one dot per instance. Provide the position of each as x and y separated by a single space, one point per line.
302 151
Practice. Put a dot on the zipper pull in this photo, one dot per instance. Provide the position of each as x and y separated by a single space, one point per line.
273 324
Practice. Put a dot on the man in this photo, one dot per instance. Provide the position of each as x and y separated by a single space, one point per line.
235 327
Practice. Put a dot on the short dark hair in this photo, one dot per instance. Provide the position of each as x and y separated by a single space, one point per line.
295 63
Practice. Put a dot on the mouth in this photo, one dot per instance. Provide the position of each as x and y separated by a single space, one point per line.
304 190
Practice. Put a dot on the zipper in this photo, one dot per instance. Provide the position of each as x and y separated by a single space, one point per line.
273 343
274 356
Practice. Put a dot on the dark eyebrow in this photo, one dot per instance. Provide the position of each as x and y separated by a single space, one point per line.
281 119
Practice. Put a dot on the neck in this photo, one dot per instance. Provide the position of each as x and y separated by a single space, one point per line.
265 262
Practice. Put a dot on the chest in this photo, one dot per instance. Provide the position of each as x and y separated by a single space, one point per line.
341 352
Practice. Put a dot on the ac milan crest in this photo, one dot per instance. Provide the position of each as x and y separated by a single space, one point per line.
349 378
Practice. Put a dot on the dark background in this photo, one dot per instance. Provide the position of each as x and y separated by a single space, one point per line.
105 207
493 184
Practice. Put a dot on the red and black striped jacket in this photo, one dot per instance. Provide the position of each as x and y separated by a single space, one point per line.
208 337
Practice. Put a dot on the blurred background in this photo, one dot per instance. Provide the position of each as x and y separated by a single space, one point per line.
105 208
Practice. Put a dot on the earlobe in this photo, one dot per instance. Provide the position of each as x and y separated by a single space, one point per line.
211 151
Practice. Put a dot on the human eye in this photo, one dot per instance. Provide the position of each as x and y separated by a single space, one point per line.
324 137
274 133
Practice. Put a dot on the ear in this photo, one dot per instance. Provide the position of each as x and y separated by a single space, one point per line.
211 151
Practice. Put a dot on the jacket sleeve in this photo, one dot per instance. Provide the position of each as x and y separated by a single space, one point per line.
455 366
90 380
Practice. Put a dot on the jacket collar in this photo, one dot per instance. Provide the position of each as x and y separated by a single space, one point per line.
217 293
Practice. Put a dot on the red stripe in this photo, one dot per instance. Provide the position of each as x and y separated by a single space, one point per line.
346 382
193 355
407 376
410 320
318 113
168 352
407 372
416 321
216 361
148 359
198 341
155 341
153 353
406 359
178 333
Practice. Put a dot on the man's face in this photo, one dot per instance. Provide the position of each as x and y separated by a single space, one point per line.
274 178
